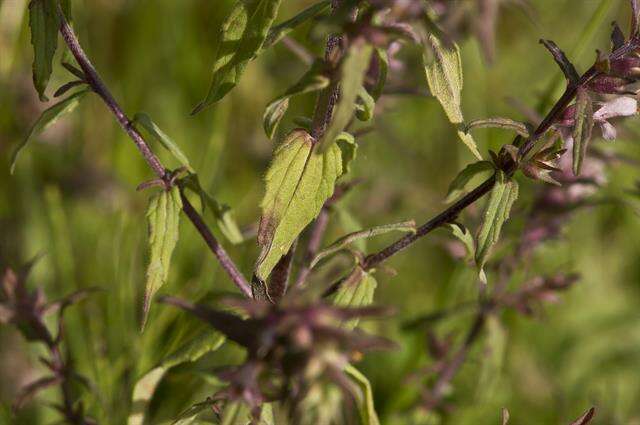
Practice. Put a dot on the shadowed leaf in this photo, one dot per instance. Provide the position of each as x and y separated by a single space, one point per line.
48 117
241 37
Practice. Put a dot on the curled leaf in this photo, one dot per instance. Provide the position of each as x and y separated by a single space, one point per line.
443 68
521 128
366 409
343 242
357 290
565 65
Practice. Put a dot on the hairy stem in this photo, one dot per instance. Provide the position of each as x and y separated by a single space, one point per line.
98 86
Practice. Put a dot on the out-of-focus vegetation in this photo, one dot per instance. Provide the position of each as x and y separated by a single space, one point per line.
73 198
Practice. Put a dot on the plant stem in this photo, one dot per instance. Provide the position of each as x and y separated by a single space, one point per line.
315 239
452 212
98 86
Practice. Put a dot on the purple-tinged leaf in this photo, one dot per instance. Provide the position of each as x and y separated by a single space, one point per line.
586 418
617 37
565 65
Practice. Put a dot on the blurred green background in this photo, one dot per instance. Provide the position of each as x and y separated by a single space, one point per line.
73 197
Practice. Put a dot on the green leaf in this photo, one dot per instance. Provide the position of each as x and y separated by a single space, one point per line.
278 32
145 386
464 235
503 195
343 242
352 72
382 63
349 148
443 68
298 182
582 128
521 128
366 408
145 121
357 290
459 185
312 80
495 344
163 215
221 212
43 22
48 117
365 105
191 414
241 38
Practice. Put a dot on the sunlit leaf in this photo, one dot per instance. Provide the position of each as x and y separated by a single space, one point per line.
463 235
46 119
241 37
366 408
298 182
145 387
503 195
145 121
443 68
163 215
357 290
352 72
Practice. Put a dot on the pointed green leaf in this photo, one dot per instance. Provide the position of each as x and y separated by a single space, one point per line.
352 72
298 182
241 38
357 290
278 32
464 235
521 128
459 184
46 119
503 195
443 68
582 128
349 148
345 241
145 386
145 121
43 22
163 215
312 80
366 408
